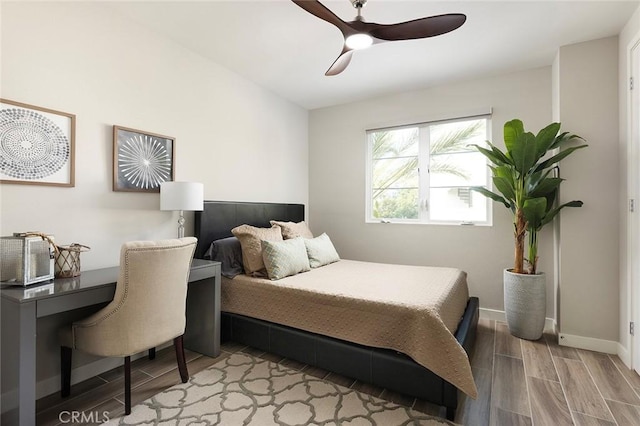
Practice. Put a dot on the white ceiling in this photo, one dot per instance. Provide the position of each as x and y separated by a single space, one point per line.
281 47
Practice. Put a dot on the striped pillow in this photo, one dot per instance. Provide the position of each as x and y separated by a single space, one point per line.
285 258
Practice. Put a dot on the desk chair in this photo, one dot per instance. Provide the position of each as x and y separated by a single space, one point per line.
148 309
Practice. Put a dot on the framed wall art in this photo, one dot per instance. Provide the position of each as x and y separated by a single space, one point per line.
141 160
37 145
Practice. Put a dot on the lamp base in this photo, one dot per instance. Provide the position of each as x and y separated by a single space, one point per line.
181 225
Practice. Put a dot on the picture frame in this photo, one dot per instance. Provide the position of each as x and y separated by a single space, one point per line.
141 160
38 145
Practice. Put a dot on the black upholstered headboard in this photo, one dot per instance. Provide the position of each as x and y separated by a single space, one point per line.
219 217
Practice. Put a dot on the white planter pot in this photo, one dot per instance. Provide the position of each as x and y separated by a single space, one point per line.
525 303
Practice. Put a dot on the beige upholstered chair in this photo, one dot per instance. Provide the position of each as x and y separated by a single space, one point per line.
148 309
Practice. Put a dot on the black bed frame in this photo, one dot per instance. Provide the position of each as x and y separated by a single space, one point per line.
381 367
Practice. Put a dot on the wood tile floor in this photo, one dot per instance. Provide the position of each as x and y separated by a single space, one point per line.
541 383
519 383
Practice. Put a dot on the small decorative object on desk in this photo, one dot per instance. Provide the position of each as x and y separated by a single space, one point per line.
27 258
68 260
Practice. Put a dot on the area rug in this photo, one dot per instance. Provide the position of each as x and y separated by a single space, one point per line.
246 390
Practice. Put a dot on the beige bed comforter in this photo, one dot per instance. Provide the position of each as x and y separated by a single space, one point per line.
411 309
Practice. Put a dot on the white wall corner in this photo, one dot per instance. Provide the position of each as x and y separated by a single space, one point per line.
625 355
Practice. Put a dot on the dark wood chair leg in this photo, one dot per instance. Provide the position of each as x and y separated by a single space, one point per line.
182 364
65 371
127 385
152 353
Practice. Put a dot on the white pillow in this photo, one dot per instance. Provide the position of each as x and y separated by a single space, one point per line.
321 251
284 258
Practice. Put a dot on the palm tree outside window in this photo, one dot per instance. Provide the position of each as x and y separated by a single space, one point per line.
422 173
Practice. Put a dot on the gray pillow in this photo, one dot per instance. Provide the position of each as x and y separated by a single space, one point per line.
229 252
321 251
284 258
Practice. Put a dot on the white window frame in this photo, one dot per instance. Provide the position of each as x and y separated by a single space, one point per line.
424 182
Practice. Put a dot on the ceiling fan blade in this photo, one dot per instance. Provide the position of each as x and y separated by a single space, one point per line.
418 28
340 64
316 8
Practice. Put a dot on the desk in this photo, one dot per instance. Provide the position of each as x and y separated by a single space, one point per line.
22 306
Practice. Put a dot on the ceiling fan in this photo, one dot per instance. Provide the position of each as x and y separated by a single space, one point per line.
359 34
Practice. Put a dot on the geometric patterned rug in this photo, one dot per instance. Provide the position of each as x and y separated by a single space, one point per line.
246 390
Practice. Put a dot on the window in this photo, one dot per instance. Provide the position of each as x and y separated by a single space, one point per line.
423 173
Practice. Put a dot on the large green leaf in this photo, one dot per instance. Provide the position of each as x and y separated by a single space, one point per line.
506 187
512 131
491 155
503 172
545 186
552 213
533 180
562 138
559 156
523 153
534 211
484 191
545 138
503 156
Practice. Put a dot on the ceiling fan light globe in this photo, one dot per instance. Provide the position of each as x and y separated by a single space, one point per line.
359 41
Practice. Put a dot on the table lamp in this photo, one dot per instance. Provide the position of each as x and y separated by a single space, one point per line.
181 196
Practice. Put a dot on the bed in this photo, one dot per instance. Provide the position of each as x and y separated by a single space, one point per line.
334 341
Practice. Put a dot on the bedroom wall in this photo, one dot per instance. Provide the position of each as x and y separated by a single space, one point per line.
243 142
337 180
589 249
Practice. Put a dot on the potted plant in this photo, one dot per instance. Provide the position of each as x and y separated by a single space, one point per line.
527 184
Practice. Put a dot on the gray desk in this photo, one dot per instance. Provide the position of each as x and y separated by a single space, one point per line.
21 307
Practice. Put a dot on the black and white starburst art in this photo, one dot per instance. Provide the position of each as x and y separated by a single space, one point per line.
143 161
32 147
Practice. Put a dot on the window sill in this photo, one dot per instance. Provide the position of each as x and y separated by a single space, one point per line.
469 224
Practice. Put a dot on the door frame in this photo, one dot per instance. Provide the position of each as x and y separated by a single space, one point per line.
633 193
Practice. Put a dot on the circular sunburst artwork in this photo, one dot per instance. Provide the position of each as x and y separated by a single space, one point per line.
32 147
144 161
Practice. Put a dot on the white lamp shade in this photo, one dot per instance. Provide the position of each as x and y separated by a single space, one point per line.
187 196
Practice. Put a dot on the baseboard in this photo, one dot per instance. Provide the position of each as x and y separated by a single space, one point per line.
589 343
52 384
496 315
580 342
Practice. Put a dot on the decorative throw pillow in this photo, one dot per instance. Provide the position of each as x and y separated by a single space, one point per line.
250 239
229 252
321 251
293 230
285 258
